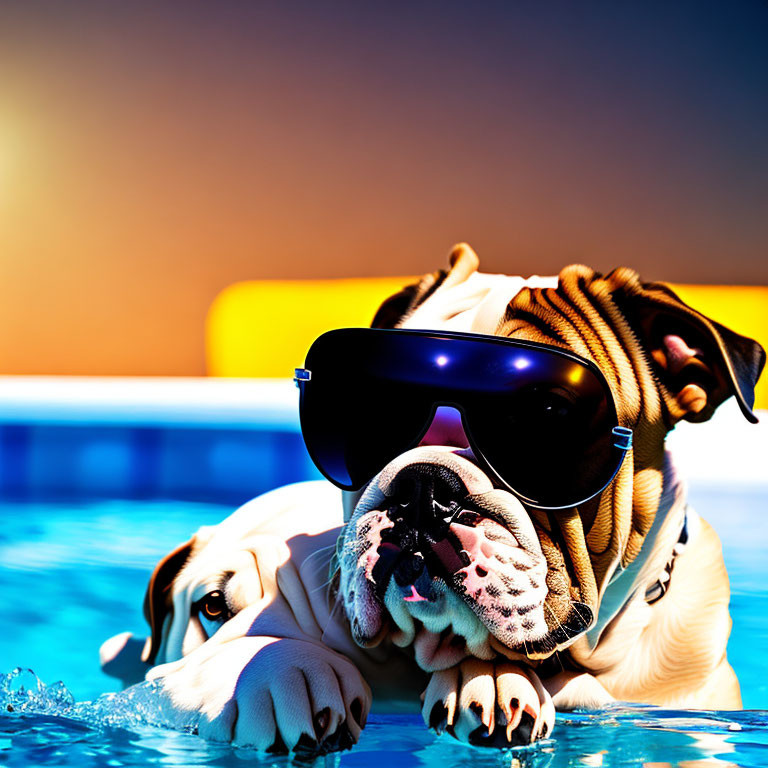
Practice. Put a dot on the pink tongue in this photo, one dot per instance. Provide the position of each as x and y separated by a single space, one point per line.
415 597
446 429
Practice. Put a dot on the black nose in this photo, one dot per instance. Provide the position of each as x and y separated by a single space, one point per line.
424 499
426 495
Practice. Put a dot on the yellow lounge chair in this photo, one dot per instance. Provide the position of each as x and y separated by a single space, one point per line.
263 328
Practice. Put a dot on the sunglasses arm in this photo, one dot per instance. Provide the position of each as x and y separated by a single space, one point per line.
302 375
622 437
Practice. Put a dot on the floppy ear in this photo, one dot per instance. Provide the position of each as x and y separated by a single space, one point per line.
395 309
699 361
157 602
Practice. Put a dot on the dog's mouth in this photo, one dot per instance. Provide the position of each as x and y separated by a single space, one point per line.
438 559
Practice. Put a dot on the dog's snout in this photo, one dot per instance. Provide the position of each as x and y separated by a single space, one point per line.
423 501
427 489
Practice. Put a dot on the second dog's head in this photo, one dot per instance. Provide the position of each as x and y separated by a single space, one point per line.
437 556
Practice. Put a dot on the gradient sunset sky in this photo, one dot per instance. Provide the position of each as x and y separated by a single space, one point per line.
153 153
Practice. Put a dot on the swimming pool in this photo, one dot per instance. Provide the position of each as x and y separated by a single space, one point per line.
74 562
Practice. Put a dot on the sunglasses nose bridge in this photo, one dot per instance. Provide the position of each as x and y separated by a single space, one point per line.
446 428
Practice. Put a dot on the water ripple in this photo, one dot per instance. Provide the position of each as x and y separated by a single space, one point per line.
44 725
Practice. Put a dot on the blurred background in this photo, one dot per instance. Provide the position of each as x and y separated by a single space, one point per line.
152 154
199 188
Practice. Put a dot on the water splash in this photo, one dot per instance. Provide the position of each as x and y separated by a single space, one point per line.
143 704
44 725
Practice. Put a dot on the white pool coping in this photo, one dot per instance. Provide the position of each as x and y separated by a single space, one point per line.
149 401
726 449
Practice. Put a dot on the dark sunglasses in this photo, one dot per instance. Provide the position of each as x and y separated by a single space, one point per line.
539 419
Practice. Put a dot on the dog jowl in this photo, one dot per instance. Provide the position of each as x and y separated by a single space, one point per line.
513 535
437 556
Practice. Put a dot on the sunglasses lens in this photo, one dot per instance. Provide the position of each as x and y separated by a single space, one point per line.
550 440
541 419
354 422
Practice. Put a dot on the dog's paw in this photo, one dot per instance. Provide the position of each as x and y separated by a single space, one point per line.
487 704
277 695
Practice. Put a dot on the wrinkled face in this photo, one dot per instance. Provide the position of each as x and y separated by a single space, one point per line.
442 561
438 557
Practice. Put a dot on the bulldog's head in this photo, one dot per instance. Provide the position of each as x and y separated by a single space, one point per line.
260 571
437 556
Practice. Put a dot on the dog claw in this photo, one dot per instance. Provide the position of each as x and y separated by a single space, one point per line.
513 715
484 715
441 694
356 709
488 704
321 722
339 740
306 746
438 717
545 719
278 746
307 749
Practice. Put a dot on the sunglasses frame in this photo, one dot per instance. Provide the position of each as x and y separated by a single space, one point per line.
622 436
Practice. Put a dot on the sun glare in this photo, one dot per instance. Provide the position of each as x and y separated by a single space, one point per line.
9 148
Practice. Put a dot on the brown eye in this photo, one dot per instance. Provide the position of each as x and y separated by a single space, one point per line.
214 606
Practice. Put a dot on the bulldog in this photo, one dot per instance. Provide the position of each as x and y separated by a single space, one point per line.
439 585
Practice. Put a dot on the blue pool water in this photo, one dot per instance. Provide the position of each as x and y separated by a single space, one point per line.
72 575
